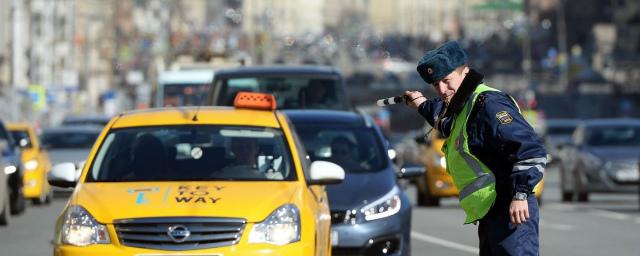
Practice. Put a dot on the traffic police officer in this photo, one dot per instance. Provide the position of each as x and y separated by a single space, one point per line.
493 155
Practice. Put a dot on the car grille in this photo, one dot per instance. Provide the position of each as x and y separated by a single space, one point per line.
179 233
342 216
346 251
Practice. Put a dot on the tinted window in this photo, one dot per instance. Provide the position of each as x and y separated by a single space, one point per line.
614 136
561 130
22 137
192 153
69 139
355 149
291 93
184 94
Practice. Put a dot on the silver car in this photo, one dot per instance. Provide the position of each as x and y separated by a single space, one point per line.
602 157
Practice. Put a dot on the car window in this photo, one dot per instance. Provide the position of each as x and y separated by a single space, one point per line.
169 153
69 139
355 149
290 92
614 136
183 94
22 137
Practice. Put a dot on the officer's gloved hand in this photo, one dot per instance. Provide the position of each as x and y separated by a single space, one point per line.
414 98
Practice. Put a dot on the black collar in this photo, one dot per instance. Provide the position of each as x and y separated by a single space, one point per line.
469 84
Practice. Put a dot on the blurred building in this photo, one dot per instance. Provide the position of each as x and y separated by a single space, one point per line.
5 36
283 17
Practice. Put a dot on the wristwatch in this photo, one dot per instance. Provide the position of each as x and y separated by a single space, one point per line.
519 196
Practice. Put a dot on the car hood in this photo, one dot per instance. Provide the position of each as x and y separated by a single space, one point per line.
616 153
253 201
68 155
358 189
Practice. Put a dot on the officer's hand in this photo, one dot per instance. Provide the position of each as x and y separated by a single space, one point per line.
519 212
414 98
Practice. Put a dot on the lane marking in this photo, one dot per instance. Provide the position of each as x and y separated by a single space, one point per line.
609 214
445 243
557 226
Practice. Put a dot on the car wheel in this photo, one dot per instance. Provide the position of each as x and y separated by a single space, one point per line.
583 197
49 198
4 214
578 189
18 202
428 199
567 194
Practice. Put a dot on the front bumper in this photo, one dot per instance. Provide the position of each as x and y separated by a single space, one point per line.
372 237
605 180
298 248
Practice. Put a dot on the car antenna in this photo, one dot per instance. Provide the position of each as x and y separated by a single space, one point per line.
195 115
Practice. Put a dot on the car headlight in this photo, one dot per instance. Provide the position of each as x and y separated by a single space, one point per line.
386 206
79 228
31 165
280 228
10 169
441 161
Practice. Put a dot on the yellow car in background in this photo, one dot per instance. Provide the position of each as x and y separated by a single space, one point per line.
198 181
36 162
436 183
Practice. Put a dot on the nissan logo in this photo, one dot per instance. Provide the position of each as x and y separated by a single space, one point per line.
178 233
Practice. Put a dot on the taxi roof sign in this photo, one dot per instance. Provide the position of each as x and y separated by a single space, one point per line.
254 100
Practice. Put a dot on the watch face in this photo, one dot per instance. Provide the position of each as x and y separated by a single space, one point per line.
521 196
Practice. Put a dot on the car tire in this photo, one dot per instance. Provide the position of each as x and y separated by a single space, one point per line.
567 194
18 202
581 196
426 198
4 214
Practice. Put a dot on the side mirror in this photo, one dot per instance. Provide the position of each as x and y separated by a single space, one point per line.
325 173
410 172
420 139
63 175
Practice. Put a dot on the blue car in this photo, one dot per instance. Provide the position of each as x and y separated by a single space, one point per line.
370 213
13 158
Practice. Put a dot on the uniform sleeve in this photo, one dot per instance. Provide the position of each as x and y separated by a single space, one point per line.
516 140
430 110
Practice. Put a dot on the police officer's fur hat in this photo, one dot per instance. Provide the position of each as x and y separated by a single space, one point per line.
437 64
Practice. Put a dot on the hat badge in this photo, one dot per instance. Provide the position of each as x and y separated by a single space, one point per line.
429 71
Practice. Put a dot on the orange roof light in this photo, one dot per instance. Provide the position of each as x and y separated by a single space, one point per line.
253 100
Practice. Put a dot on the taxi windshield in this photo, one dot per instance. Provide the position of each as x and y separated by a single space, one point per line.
192 153
355 149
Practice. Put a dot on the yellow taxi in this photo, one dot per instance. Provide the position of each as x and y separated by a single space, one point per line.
436 183
36 162
197 181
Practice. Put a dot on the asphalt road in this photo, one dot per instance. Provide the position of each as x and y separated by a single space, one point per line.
607 225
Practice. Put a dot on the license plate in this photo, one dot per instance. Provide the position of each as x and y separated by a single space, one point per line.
627 175
334 238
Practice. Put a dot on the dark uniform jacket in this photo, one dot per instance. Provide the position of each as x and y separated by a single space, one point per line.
498 135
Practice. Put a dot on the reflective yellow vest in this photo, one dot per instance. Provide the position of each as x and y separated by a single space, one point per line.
474 180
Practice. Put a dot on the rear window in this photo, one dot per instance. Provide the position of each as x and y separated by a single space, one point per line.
290 92
69 139
193 153
22 137
184 94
